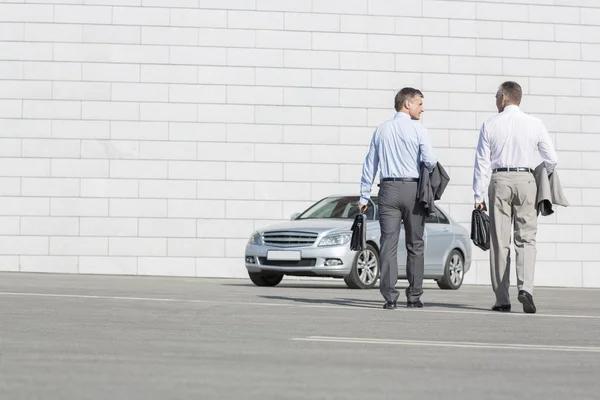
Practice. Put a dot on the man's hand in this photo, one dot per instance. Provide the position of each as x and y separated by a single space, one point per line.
480 206
363 208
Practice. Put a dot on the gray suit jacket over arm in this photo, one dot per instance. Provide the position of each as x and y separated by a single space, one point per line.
549 191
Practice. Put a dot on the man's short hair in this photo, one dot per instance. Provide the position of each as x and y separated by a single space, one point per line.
404 94
512 91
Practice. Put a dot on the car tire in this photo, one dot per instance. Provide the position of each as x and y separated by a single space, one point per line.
454 271
365 261
265 279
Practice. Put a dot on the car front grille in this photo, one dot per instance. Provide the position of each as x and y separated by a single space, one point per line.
290 239
305 262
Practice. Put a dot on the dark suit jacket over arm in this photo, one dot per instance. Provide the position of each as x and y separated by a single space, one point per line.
431 186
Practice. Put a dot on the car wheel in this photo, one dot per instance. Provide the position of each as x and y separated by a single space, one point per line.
265 279
365 270
454 271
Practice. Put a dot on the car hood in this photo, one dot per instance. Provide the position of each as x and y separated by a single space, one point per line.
311 225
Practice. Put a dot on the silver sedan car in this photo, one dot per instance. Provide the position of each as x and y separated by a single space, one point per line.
317 243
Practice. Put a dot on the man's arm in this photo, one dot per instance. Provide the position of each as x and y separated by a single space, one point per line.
426 148
482 167
547 151
369 172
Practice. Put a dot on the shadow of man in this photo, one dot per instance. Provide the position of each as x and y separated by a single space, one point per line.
362 303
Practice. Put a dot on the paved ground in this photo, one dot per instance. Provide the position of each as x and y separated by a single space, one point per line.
96 337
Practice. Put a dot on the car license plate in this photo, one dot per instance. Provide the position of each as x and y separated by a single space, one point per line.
284 255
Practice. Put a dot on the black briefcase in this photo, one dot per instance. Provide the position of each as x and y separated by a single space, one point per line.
358 242
480 229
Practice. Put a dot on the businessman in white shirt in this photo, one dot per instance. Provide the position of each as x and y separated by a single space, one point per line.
507 154
398 146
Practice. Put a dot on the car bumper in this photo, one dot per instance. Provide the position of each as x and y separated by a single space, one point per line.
313 260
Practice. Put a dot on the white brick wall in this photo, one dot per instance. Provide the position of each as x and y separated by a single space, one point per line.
152 137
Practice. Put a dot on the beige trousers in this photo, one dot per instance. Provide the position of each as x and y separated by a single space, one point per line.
512 210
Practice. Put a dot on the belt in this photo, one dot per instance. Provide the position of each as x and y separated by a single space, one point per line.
513 169
400 180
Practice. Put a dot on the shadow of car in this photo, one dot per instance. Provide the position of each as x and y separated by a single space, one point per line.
316 242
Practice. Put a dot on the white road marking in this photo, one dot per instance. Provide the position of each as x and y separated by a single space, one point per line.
298 305
470 345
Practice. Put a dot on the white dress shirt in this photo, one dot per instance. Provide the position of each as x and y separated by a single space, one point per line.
397 148
510 139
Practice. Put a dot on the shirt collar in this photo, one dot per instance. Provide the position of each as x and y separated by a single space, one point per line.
511 108
400 114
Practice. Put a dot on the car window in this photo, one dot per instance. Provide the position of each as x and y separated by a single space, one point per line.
431 219
324 211
374 206
348 209
442 219
371 211
345 207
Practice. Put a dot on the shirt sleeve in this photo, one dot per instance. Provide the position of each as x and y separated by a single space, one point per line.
426 148
547 151
481 172
369 171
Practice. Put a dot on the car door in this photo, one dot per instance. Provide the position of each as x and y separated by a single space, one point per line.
438 238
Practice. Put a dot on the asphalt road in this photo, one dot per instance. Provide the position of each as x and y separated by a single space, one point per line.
104 337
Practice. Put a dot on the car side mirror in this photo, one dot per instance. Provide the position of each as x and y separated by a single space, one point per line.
294 216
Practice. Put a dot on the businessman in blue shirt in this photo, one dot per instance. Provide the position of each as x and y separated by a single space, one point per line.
398 147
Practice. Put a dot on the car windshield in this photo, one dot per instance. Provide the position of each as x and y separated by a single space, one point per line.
336 207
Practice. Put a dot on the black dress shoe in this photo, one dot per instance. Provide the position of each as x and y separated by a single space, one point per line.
390 305
414 304
501 307
527 300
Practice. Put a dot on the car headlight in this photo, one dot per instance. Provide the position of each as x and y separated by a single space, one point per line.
335 239
256 239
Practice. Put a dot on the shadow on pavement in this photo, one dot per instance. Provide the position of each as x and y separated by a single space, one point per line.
337 302
361 303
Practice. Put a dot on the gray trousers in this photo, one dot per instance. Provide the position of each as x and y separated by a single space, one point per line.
512 210
398 205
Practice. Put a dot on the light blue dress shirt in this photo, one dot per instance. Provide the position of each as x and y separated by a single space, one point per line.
398 147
